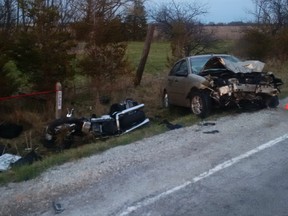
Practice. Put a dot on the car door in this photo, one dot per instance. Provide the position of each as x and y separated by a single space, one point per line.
176 86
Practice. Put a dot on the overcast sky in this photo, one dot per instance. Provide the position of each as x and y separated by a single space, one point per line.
224 11
228 10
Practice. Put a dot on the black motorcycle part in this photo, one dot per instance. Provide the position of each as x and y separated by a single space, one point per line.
109 128
131 119
115 108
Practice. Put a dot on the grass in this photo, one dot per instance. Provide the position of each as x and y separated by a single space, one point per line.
148 93
157 59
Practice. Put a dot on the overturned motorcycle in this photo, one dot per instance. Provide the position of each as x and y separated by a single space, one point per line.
122 118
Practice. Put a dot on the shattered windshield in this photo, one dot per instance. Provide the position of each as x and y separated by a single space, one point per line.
198 62
230 58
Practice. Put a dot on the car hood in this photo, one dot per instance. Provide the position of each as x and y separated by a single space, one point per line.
237 67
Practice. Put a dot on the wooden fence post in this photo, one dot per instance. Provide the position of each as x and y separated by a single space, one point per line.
58 107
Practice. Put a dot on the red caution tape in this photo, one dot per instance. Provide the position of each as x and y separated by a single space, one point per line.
26 95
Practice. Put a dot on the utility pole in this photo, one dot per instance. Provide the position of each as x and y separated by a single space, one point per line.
145 54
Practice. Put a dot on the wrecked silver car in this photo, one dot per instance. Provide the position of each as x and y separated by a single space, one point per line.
202 82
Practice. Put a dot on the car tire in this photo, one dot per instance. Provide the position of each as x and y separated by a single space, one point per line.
200 103
165 101
272 102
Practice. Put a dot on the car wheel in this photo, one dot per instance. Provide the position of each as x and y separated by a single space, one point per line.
200 104
273 102
165 100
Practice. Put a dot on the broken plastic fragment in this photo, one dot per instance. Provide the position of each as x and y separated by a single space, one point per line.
6 160
58 207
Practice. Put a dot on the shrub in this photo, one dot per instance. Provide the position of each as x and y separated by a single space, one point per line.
106 63
280 45
255 44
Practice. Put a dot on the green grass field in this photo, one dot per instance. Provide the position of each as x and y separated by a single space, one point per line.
160 51
157 59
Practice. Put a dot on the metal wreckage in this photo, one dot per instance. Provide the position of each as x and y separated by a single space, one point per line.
204 81
122 118
240 81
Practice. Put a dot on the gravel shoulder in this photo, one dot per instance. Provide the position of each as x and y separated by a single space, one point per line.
107 182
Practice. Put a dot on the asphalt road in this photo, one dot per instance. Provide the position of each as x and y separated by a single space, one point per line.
240 169
257 185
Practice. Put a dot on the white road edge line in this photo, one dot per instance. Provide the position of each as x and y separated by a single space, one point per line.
204 175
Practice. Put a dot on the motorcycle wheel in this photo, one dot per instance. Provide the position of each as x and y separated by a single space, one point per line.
60 133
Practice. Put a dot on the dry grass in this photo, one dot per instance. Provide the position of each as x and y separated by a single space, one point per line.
85 103
280 69
33 128
88 101
227 32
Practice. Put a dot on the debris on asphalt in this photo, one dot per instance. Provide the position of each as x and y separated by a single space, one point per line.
58 207
207 124
211 132
171 126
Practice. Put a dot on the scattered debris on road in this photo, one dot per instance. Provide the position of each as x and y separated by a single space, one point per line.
171 126
58 207
211 132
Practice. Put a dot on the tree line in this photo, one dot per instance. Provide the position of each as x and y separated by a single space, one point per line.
37 38
268 38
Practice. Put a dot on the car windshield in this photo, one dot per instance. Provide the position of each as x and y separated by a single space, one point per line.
230 58
198 62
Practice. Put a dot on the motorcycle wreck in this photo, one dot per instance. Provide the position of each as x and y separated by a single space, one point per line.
122 118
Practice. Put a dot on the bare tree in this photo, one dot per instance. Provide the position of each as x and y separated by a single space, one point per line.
271 14
67 10
267 39
179 23
91 10
7 14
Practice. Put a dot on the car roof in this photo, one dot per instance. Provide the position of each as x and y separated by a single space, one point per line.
208 55
205 56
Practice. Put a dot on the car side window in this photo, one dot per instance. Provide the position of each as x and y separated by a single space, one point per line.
174 69
180 69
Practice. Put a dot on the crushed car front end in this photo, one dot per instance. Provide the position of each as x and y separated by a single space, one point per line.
240 82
